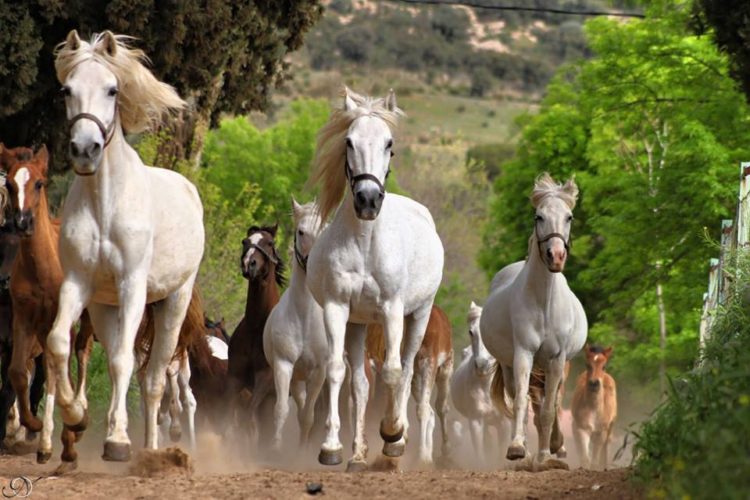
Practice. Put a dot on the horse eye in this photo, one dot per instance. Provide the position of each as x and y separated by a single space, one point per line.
301 232
65 90
570 218
538 218
389 145
38 185
349 143
113 92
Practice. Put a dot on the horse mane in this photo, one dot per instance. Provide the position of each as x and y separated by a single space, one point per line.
142 100
330 152
545 186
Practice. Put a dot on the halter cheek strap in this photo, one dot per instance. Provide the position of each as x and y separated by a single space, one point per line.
301 260
268 256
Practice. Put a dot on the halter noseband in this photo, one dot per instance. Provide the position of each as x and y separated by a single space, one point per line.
272 258
549 236
301 260
107 132
354 179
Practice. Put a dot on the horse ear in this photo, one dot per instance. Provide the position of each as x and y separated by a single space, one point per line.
295 206
72 42
108 44
608 351
273 229
349 104
571 188
473 305
390 101
42 157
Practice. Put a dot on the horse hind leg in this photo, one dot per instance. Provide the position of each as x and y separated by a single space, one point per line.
442 384
282 376
83 345
315 382
422 391
18 373
189 404
168 317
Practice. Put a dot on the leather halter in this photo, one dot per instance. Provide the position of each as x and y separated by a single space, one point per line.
107 132
548 237
354 179
301 260
262 250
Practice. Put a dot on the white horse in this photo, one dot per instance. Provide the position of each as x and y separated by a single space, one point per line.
379 261
532 320
294 338
470 387
131 234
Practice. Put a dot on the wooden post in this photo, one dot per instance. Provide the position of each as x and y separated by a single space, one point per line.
710 301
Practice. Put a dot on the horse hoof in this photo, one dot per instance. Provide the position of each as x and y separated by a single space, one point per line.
515 452
42 457
562 453
175 435
393 450
82 425
330 457
116 452
65 467
356 466
391 438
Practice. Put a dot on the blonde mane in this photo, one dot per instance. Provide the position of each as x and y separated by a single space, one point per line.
330 153
545 187
142 100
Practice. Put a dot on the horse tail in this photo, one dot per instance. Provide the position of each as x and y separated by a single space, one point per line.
191 332
497 392
375 343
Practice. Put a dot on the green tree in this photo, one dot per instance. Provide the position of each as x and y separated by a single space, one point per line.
223 56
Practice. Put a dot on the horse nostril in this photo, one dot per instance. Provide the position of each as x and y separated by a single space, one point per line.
361 198
381 195
93 149
549 253
74 149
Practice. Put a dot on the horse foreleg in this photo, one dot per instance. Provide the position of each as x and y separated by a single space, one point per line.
335 317
44 450
83 345
282 376
476 429
170 401
189 404
422 391
23 343
553 378
442 384
168 318
7 394
74 295
36 392
522 363
360 387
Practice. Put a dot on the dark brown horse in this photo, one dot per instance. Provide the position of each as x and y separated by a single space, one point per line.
208 377
34 287
250 376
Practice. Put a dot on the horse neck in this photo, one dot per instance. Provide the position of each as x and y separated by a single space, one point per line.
298 283
39 250
262 296
116 170
348 217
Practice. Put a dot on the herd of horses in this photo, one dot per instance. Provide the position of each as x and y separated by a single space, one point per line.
356 323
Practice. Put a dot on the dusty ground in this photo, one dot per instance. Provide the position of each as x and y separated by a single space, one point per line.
101 480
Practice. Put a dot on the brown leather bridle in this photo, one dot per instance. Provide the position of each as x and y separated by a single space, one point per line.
568 243
301 260
354 179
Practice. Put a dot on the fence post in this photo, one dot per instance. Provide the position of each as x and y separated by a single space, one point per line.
710 301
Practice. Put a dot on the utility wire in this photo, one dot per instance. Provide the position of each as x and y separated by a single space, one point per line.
476 5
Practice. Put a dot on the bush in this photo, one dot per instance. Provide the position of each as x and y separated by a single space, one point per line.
697 445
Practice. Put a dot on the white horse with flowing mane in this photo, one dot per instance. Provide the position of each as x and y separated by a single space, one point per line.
379 261
533 321
131 234
470 387
294 338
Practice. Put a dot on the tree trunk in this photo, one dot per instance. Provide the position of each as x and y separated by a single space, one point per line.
662 338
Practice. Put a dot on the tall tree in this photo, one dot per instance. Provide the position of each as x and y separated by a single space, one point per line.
223 56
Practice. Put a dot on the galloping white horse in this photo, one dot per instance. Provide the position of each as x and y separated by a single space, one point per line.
470 387
130 234
532 320
294 338
379 261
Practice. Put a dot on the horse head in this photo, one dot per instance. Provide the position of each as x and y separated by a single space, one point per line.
307 227
554 205
25 182
259 258
484 363
596 362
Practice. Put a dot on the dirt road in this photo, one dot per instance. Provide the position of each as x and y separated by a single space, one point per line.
99 480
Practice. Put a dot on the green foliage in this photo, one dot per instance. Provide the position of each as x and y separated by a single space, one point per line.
696 444
223 56
653 129
490 157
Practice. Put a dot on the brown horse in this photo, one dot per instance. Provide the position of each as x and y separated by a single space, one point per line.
9 241
594 408
34 286
433 366
250 376
209 376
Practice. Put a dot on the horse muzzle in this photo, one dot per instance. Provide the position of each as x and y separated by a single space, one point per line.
86 156
24 222
367 203
556 258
